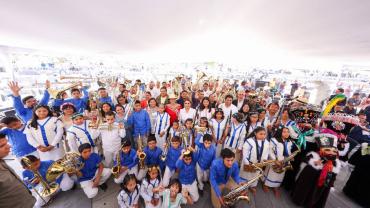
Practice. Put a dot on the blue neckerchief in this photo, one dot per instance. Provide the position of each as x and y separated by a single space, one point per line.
43 132
259 149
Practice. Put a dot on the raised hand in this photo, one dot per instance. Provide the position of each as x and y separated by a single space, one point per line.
47 84
13 86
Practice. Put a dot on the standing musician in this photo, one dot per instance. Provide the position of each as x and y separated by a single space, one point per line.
236 137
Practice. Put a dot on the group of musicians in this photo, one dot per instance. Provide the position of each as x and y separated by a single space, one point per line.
163 143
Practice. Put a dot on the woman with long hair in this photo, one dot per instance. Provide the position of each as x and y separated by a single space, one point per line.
204 110
45 132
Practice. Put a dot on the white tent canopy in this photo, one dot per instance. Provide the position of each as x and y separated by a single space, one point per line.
306 32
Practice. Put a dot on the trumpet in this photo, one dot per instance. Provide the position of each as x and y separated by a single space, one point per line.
48 189
117 168
141 153
56 93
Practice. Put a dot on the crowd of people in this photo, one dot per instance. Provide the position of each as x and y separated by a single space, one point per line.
163 142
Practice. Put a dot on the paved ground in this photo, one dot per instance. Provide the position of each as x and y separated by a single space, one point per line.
77 199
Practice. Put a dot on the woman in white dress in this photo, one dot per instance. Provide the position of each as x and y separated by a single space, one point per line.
186 112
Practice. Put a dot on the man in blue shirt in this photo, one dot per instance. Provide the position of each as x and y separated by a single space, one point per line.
140 122
79 103
24 107
221 170
128 158
187 173
153 154
104 97
17 139
93 174
207 153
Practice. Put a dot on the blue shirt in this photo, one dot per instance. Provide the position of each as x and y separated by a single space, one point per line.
26 113
79 103
129 159
140 122
152 156
18 141
219 174
172 156
44 165
206 156
187 174
106 100
90 167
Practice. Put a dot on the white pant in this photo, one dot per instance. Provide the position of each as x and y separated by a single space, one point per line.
167 176
218 150
65 185
202 176
108 158
120 178
54 154
87 186
160 140
192 189
142 173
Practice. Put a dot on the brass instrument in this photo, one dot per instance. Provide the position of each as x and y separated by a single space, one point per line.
70 163
48 189
236 194
200 129
56 93
184 136
260 165
163 156
286 163
117 169
142 154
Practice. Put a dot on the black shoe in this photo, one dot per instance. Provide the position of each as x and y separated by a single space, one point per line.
201 192
103 187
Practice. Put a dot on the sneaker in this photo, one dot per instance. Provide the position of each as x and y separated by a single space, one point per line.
103 187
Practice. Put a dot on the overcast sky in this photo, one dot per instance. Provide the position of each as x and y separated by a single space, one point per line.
275 31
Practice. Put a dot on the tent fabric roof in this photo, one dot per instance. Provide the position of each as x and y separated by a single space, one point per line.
331 29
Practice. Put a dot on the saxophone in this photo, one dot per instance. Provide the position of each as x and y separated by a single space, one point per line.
236 194
163 156
286 163
256 166
117 169
141 154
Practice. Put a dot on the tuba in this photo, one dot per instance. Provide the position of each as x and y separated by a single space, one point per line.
70 163
48 189
141 153
117 168
236 194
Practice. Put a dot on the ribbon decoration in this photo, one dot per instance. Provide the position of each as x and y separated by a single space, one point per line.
301 138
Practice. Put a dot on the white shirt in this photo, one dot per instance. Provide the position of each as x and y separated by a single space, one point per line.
180 199
206 113
183 115
232 108
78 134
236 137
155 92
111 139
218 128
53 132
146 190
128 200
240 104
162 123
